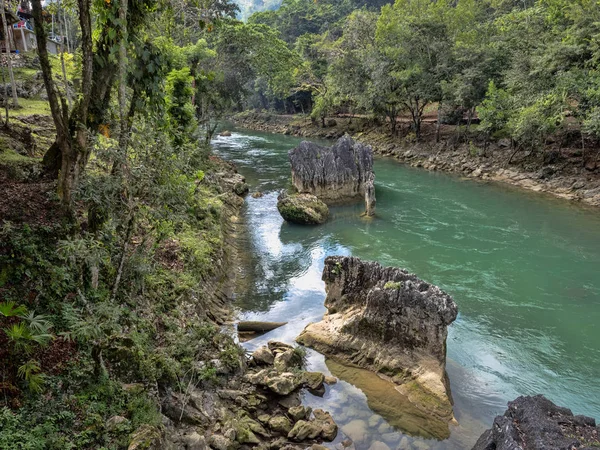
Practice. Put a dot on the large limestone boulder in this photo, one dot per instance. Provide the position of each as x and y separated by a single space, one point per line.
304 209
388 321
537 423
334 174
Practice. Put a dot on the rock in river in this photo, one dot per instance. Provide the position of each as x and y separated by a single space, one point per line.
334 174
537 423
304 209
389 321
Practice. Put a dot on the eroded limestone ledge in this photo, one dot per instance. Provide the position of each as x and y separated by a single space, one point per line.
389 321
334 174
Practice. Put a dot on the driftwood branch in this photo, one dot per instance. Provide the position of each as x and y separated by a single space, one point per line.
259 327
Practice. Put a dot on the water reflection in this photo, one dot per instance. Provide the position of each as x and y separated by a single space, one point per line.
384 400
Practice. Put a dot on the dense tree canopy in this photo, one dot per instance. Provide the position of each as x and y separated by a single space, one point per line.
524 69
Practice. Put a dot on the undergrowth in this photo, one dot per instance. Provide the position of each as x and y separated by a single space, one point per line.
119 294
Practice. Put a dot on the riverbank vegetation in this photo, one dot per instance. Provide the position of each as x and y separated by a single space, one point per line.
116 220
523 71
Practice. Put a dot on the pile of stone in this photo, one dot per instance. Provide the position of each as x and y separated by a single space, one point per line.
260 408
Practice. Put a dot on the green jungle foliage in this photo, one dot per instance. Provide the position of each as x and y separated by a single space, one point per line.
104 295
522 70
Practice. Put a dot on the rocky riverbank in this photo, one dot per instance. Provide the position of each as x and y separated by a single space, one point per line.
242 401
256 406
559 171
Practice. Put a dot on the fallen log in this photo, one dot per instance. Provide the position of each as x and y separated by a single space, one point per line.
258 327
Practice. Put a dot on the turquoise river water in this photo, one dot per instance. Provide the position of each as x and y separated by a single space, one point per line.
523 268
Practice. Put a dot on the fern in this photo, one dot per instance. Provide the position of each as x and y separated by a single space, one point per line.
10 309
20 335
30 372
79 329
39 322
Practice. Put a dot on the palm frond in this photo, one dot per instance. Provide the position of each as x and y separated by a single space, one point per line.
11 309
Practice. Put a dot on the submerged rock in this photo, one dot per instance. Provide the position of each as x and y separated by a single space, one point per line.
391 322
537 423
333 174
303 209
385 401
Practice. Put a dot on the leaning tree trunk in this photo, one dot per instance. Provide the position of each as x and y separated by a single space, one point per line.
104 71
71 133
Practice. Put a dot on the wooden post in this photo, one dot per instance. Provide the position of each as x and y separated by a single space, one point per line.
24 40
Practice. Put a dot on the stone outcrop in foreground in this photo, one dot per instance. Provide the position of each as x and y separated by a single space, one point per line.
389 321
334 174
304 209
537 423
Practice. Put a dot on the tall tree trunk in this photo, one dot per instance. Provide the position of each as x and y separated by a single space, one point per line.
61 28
71 131
124 132
392 113
5 96
8 58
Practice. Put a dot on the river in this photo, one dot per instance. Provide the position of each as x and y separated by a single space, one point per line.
523 268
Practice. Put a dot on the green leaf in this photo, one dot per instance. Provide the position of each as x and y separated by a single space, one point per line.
10 309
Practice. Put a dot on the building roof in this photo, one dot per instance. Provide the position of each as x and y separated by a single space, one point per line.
11 17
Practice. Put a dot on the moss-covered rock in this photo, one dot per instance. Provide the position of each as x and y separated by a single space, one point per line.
146 437
299 412
304 209
280 424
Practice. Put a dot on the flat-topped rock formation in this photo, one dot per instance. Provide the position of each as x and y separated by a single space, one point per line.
537 423
334 174
391 322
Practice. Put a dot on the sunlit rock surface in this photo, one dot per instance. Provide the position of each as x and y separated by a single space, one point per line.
391 322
